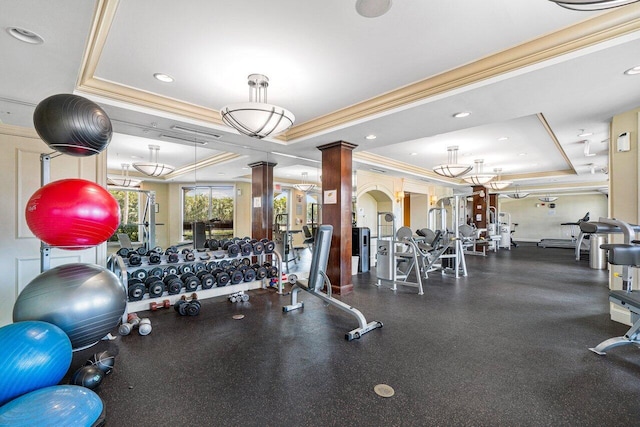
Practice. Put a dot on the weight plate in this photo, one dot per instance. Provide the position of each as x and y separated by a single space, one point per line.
141 251
261 273
156 271
237 277
235 263
245 249
249 275
224 263
269 247
222 279
154 258
170 277
172 269
258 248
136 292
189 256
174 286
233 250
198 266
157 249
134 259
156 288
123 252
139 274
207 281
171 250
186 275
212 265
173 257
191 283
185 268
193 308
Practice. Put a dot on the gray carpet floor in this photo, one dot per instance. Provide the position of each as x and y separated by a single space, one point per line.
505 346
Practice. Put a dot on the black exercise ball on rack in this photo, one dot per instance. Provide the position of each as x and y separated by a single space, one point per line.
72 125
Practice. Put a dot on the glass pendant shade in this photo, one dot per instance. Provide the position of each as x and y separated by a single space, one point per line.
517 194
479 178
547 199
498 184
124 180
257 118
152 167
452 169
588 5
304 186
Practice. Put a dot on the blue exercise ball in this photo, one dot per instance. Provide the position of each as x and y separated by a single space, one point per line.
33 355
72 125
61 405
85 300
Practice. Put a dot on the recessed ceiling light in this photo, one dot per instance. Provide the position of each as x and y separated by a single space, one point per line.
163 77
25 35
503 138
462 114
632 71
522 154
370 137
413 154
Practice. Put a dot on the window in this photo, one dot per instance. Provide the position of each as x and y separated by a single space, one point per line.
211 205
129 202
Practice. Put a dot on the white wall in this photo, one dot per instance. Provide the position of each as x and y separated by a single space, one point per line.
536 220
20 151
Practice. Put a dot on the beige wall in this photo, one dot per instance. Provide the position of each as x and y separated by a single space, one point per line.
20 151
162 217
623 192
537 221
242 211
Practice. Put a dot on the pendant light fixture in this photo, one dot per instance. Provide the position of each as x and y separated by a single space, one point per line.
152 167
372 8
589 5
304 186
257 118
124 180
452 169
547 199
498 184
479 178
517 194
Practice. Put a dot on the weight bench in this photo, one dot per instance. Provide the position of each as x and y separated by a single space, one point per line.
598 227
628 255
317 281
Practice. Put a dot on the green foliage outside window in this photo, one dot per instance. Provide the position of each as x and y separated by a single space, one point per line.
129 202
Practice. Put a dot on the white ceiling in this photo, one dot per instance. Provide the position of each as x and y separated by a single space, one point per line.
323 58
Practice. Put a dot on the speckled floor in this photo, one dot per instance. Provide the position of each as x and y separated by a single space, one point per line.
505 346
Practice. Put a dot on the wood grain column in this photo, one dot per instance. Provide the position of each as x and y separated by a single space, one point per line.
336 210
480 206
262 200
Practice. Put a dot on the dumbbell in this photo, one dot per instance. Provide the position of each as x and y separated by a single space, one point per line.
123 252
135 289
185 268
211 266
198 267
188 307
141 251
154 257
155 286
171 250
222 278
272 271
173 257
207 281
239 297
237 277
249 274
233 250
164 304
134 259
261 272
191 281
269 247
212 244
173 283
172 269
293 279
258 248
246 248
139 274
246 261
156 271
133 321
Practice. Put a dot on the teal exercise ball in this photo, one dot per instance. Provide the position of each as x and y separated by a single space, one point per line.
86 301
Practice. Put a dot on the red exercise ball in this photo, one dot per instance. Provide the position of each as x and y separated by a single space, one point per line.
73 213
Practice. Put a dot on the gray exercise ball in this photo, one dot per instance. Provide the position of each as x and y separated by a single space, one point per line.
72 125
86 301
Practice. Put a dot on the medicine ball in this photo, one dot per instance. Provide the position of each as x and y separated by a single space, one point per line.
72 125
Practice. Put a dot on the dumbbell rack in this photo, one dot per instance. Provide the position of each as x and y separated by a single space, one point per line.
120 267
